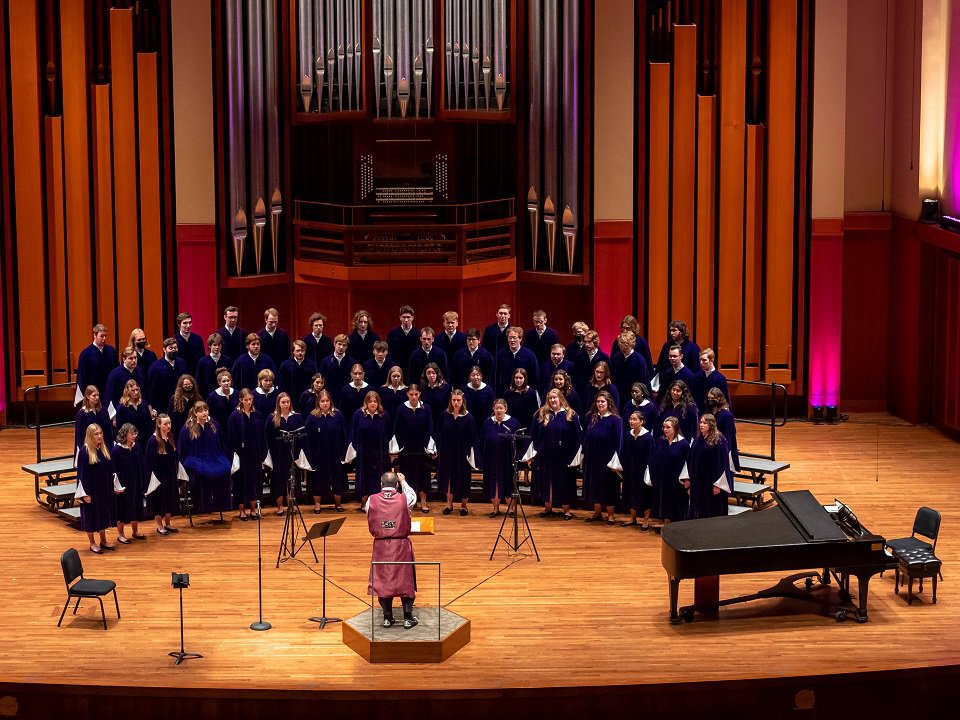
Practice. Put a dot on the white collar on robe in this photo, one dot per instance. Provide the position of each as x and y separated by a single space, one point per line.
361 387
482 386
643 431
505 418
260 391
219 392
418 407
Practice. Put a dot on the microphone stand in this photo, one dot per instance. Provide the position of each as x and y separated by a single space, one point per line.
517 509
259 624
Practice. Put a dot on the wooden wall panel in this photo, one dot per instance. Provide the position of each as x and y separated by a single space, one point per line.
125 172
59 353
781 172
753 252
150 218
73 54
706 219
733 41
658 208
28 170
684 173
104 251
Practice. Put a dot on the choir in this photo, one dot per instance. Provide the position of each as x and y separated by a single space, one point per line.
654 440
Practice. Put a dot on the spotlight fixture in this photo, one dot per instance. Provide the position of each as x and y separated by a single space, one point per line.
832 415
930 211
818 414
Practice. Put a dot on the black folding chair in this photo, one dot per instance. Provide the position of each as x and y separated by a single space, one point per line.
84 587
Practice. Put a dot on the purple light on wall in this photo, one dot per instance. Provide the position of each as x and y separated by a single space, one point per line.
951 125
826 313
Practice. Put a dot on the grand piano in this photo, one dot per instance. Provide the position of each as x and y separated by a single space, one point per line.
796 534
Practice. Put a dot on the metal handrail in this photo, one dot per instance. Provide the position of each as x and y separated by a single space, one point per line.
36 390
775 420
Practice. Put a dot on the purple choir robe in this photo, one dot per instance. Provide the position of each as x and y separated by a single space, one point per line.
370 436
375 373
326 443
361 348
207 464
691 356
139 417
94 366
85 419
246 368
190 350
128 464
276 346
727 425
294 378
456 438
248 441
207 369
479 402
351 398
437 398
450 345
401 344
117 381
97 482
667 461
464 361
336 373
413 432
280 451
392 399
708 464
222 405
635 457
590 392
499 458
556 444
540 344
601 441
318 348
162 382
234 343
166 498
688 417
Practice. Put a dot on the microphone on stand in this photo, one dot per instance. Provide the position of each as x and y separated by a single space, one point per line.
259 624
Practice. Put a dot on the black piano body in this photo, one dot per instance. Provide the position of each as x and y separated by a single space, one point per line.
796 534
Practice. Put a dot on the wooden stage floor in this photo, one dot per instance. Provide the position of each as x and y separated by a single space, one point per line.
584 630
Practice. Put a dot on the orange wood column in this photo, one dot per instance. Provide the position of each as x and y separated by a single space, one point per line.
56 250
733 52
77 170
28 170
684 172
706 218
103 211
781 173
152 264
753 253
125 172
658 207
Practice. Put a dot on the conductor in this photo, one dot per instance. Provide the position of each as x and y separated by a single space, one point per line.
388 517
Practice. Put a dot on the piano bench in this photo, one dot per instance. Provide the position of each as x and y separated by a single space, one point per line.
917 563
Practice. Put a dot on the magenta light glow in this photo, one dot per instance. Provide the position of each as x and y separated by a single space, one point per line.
826 313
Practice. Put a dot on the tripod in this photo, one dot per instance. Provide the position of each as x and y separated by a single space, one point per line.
515 510
183 654
288 540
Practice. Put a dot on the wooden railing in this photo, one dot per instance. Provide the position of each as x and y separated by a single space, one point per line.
363 235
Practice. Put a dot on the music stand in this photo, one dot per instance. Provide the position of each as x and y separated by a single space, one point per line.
321 529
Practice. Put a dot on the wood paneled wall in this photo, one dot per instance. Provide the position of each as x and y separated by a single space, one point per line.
723 113
87 181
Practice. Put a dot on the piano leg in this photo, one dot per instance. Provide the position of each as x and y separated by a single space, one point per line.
675 618
863 586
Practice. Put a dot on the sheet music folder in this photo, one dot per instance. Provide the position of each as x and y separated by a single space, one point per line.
323 528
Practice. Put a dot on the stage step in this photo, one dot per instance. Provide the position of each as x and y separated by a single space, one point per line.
59 493
71 514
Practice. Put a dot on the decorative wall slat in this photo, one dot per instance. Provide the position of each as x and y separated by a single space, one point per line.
682 273
104 250
148 119
658 207
59 353
706 216
753 253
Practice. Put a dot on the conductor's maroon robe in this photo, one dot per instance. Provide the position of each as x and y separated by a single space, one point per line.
388 518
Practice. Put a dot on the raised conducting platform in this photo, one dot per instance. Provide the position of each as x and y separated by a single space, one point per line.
436 637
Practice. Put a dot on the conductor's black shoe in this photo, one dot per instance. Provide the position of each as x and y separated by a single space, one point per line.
410 622
388 622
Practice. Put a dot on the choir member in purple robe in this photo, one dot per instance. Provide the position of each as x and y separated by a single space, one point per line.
95 488
282 420
375 370
630 323
412 443
233 336
247 368
586 361
562 381
128 464
403 339
163 375
224 399
708 378
668 464
556 439
308 398
499 455
469 357
368 441
294 375
635 458
678 403
336 368
726 424
523 402
434 390
388 518
456 441
425 355
145 356
539 339
265 394
677 334
184 396
274 341
201 447
450 340
394 393
352 394
515 357
132 409
91 412
640 400
479 397
710 482
628 367
601 380
210 365
96 361
495 334
161 462
577 347
325 446
318 345
117 379
555 361
602 438
676 370
248 443
362 337
189 344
